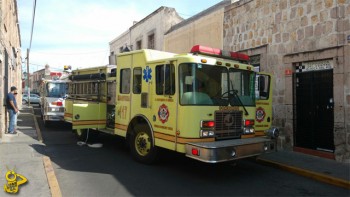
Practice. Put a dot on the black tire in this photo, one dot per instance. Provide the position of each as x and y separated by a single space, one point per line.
141 145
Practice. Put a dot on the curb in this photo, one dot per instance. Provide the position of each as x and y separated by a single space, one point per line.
51 178
310 174
50 173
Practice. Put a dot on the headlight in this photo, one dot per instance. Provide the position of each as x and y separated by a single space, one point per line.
248 130
207 133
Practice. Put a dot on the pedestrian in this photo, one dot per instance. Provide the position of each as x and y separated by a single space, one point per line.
11 106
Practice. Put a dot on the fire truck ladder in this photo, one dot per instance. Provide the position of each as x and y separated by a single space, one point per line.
89 87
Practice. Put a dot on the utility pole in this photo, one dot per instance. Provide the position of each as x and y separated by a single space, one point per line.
28 88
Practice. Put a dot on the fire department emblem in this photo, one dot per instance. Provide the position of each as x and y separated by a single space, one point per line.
147 74
163 113
260 114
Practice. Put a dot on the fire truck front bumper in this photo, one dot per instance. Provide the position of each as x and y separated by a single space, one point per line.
228 150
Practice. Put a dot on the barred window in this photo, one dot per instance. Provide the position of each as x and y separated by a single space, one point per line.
138 44
151 44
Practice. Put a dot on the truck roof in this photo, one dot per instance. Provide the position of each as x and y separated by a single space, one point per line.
150 54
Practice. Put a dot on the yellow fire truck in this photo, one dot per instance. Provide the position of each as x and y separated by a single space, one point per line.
208 104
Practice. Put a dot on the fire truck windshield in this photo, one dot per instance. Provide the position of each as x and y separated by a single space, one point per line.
55 89
202 84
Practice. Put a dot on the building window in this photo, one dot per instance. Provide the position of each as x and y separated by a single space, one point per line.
255 61
151 41
139 44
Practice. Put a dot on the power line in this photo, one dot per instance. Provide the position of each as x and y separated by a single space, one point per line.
30 46
33 17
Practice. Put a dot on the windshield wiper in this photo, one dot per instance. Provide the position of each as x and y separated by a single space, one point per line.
235 92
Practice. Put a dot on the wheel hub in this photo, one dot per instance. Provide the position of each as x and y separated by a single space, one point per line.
143 144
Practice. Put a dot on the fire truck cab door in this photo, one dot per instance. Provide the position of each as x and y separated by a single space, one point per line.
263 93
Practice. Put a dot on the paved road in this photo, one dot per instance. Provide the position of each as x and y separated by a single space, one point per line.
110 171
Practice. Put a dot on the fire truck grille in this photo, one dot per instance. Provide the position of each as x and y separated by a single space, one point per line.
228 124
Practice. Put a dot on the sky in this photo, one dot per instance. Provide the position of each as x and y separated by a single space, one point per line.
78 32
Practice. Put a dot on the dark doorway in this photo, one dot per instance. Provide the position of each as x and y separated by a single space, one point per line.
313 110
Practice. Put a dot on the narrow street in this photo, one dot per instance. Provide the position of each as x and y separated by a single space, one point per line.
110 171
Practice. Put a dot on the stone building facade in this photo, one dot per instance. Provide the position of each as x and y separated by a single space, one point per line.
145 34
10 55
204 28
306 45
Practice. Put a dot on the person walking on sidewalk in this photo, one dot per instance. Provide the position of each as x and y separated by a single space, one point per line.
11 105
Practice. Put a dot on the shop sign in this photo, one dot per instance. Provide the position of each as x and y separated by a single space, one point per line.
315 66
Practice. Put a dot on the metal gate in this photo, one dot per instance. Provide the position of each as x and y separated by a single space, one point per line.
313 110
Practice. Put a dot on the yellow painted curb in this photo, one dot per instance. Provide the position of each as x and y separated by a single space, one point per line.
51 178
50 174
314 175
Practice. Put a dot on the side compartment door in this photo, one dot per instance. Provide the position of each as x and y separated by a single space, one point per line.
263 93
122 110
89 114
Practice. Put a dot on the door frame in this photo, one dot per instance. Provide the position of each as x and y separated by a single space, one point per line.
300 68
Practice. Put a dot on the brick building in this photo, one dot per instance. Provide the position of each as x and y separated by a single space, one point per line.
10 54
306 45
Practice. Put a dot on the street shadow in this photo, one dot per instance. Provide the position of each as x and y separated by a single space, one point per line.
171 174
111 171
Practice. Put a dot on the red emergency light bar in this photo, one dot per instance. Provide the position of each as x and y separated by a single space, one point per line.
219 53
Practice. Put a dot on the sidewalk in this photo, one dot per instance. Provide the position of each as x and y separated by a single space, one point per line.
321 169
17 152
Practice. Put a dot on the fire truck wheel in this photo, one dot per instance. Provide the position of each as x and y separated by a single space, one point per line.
141 145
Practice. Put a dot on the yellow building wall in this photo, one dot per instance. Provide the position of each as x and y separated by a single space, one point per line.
206 30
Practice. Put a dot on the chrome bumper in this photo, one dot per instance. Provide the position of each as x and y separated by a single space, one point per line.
53 117
227 150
